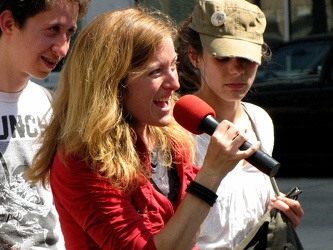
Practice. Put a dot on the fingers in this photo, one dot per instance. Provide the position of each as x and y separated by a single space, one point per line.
290 207
223 152
228 132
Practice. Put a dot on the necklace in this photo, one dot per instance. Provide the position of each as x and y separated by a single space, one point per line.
164 179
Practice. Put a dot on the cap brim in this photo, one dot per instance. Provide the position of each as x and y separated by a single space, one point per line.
228 47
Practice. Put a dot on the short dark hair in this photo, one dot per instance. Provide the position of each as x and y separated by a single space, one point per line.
24 9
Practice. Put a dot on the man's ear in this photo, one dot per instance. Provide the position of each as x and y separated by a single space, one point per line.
193 56
7 22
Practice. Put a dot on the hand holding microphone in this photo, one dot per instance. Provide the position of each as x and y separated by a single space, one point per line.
198 117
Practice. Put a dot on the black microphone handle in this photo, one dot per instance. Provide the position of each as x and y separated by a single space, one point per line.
262 161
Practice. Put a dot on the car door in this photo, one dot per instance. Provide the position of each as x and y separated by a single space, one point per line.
290 89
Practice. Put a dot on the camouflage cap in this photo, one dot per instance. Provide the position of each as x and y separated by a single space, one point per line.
230 28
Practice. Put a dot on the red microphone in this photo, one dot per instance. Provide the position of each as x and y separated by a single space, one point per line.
198 117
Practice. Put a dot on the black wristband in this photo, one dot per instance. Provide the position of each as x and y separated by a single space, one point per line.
202 192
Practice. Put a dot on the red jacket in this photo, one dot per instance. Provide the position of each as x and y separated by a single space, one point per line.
95 216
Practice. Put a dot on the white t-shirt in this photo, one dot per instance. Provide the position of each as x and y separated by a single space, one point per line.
244 193
27 215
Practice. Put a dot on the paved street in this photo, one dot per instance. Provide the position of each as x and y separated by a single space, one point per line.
316 228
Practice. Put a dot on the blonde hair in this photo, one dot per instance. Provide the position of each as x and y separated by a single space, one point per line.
89 121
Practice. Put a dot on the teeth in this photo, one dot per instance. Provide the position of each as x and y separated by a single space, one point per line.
50 61
163 99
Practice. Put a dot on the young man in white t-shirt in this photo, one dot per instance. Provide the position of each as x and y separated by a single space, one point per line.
34 36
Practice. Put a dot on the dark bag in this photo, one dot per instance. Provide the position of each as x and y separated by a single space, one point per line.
273 231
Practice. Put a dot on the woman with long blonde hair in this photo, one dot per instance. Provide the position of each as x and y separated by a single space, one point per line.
119 166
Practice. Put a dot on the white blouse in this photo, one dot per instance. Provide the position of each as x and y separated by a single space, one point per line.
244 193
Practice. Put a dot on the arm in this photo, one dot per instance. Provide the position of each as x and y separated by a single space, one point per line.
182 231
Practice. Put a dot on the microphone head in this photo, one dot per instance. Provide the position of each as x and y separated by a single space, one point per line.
190 110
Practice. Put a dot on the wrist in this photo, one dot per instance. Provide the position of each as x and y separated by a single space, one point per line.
202 192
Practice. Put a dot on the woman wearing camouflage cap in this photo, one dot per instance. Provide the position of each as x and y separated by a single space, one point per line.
220 47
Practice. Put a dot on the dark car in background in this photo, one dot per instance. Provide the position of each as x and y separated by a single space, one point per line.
296 89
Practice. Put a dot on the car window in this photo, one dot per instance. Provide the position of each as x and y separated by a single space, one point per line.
302 57
295 61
